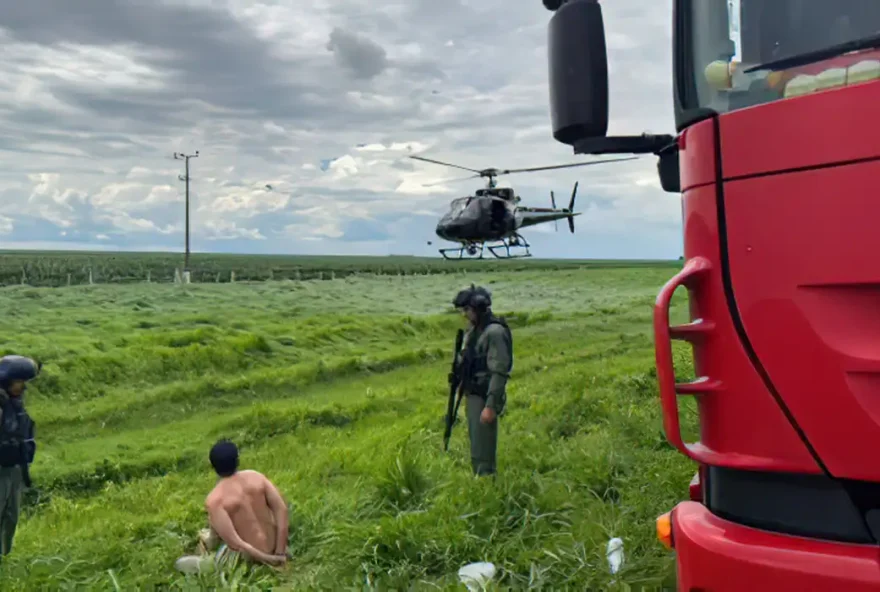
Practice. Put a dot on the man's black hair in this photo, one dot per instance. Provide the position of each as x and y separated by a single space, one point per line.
224 458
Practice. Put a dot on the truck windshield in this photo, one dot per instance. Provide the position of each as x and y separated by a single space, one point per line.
728 38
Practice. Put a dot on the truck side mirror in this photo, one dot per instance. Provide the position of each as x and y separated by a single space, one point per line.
578 70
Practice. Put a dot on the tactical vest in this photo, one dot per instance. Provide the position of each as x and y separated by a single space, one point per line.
474 364
17 445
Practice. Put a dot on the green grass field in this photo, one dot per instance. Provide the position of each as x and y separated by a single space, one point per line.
336 390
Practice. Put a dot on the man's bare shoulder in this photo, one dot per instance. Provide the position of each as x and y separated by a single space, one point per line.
214 499
256 479
251 476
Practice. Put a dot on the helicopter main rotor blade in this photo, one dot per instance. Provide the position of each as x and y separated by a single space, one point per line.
444 163
563 166
450 181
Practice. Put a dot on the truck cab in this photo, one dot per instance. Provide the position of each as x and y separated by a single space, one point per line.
776 158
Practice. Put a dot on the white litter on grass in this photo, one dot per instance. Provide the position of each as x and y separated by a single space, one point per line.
614 551
193 564
476 575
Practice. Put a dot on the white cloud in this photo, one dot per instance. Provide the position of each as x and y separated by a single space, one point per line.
323 101
220 229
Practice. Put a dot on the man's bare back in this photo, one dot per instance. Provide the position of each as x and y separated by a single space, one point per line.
246 510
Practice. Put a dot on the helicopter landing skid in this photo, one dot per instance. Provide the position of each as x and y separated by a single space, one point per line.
476 252
473 251
516 240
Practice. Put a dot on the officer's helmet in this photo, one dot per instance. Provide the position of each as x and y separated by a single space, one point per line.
13 367
476 297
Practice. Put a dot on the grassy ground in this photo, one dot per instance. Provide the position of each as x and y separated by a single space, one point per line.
336 390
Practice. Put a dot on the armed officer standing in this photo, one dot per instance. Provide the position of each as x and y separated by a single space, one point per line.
17 445
485 363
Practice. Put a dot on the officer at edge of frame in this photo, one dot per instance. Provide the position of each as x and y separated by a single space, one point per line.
486 361
17 446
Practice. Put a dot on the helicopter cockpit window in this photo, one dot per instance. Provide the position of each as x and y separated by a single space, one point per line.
474 207
464 207
457 206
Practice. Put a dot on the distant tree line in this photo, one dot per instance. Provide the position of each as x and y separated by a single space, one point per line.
78 268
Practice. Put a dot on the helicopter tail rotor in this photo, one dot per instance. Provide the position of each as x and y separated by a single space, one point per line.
553 203
571 207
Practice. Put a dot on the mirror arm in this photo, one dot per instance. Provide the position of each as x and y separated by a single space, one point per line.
644 144
665 147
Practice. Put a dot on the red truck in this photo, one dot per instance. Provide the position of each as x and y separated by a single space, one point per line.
777 159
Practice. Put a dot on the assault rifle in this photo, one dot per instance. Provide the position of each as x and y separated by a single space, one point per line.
454 384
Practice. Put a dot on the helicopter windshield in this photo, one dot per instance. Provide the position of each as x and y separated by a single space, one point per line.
464 208
457 206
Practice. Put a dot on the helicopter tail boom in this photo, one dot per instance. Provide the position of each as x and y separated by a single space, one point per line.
532 216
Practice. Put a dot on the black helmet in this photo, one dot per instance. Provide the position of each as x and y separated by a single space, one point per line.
476 296
14 367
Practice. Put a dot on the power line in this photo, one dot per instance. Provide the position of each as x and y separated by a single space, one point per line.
186 157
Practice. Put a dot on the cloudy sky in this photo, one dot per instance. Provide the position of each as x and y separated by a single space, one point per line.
322 100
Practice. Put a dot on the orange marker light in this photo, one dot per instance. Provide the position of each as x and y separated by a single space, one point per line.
664 530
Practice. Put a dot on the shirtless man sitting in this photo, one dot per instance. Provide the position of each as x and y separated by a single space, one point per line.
245 511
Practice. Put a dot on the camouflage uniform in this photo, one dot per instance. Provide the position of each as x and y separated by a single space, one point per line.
486 361
11 485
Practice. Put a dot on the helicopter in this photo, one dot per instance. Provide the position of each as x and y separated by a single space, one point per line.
492 217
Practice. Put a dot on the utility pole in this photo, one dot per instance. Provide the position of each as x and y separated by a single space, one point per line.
185 158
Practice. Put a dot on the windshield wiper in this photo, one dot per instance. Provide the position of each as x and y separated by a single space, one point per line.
869 42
